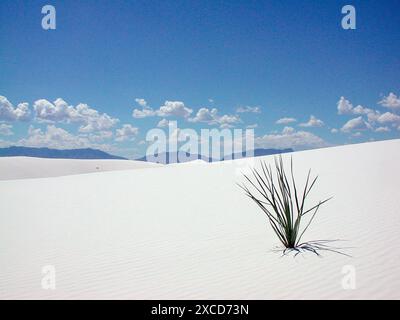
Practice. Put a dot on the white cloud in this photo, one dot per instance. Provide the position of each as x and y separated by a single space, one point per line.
93 120
356 124
360 110
334 130
141 102
162 123
345 107
286 120
288 130
373 116
290 138
211 117
10 113
391 101
205 115
389 117
252 126
100 136
228 121
127 132
57 138
313 122
382 129
170 108
174 108
144 113
248 109
60 111
5 129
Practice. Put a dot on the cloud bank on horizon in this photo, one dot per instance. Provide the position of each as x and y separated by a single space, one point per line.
85 126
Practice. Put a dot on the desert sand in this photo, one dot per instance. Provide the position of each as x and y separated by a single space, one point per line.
186 231
27 167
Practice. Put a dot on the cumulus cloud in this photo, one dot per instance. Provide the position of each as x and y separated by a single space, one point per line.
93 120
288 130
170 108
5 129
58 138
344 106
10 113
228 121
373 117
286 120
382 129
248 109
99 136
60 111
212 117
313 122
290 138
162 123
144 113
360 110
141 102
174 108
390 101
389 117
356 124
205 115
127 132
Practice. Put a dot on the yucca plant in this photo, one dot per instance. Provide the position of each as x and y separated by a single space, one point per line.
284 203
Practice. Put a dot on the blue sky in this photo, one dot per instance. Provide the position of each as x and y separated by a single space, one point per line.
272 59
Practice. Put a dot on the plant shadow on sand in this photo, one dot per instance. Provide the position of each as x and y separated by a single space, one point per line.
316 247
279 197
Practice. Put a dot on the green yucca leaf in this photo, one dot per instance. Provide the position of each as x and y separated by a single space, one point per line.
278 197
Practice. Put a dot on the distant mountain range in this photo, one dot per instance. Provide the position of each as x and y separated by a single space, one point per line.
174 157
87 153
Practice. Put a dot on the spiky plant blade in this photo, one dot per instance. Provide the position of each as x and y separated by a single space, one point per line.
278 197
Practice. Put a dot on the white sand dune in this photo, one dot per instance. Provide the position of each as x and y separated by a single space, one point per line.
187 231
28 167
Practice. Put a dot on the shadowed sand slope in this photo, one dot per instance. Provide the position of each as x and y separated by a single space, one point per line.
187 231
29 167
